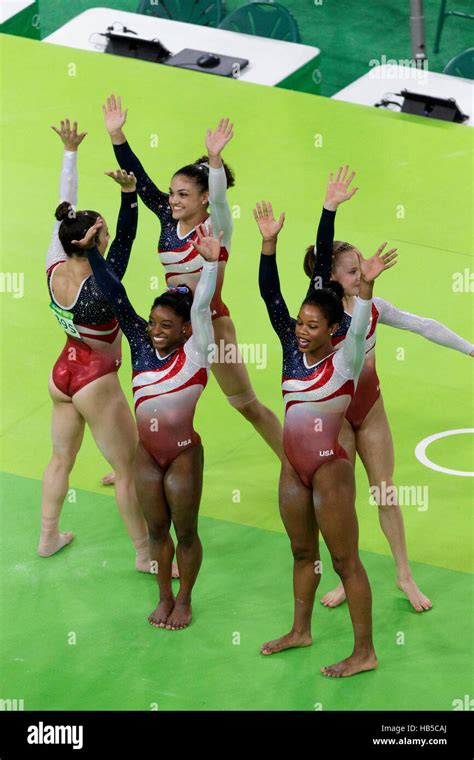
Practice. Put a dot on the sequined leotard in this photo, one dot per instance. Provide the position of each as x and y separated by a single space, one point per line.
181 262
316 397
383 312
165 389
93 344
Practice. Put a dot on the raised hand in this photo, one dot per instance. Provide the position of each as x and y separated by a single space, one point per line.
88 241
217 140
378 263
128 182
267 224
114 117
69 135
207 245
338 189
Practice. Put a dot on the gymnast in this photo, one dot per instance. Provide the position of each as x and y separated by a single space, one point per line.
317 486
365 429
194 188
170 371
84 385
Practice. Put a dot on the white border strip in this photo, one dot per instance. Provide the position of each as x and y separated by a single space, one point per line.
420 452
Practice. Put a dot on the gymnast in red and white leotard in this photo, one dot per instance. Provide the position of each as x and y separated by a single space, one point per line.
317 488
170 371
193 189
84 386
366 428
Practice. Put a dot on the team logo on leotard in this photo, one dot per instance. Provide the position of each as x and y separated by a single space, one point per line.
326 453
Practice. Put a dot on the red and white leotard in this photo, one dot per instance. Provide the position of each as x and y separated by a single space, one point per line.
368 387
181 262
93 342
165 389
316 397
384 313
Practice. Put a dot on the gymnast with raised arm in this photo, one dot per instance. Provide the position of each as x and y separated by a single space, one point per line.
317 486
170 370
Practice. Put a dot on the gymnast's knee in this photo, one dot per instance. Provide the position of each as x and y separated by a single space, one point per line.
345 565
63 459
303 553
246 403
383 493
158 533
186 536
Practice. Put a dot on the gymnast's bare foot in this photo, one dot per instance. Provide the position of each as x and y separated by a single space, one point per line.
48 547
159 616
418 601
109 479
335 597
354 664
291 640
143 564
180 617
174 570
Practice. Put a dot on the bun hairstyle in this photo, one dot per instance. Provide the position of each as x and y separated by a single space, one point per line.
338 248
74 225
180 299
329 301
199 173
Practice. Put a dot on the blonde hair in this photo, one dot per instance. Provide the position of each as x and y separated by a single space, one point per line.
338 249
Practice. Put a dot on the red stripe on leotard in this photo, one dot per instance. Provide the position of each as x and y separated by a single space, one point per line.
200 378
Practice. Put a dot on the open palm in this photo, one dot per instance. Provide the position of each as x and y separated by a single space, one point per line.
268 225
378 263
217 140
114 117
338 189
69 135
206 244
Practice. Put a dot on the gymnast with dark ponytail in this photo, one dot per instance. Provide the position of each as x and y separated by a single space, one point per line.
317 487
198 192
170 370
84 385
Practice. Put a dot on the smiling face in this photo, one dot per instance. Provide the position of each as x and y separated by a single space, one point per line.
186 199
166 329
312 329
346 270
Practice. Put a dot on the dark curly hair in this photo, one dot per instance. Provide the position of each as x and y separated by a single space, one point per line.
180 299
74 225
329 300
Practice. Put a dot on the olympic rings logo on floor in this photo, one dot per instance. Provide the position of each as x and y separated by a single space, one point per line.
420 452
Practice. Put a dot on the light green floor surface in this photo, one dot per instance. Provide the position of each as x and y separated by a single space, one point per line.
414 179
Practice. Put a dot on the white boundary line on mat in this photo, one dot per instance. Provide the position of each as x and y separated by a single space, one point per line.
420 452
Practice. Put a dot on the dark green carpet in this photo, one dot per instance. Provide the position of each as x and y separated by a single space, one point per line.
349 34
